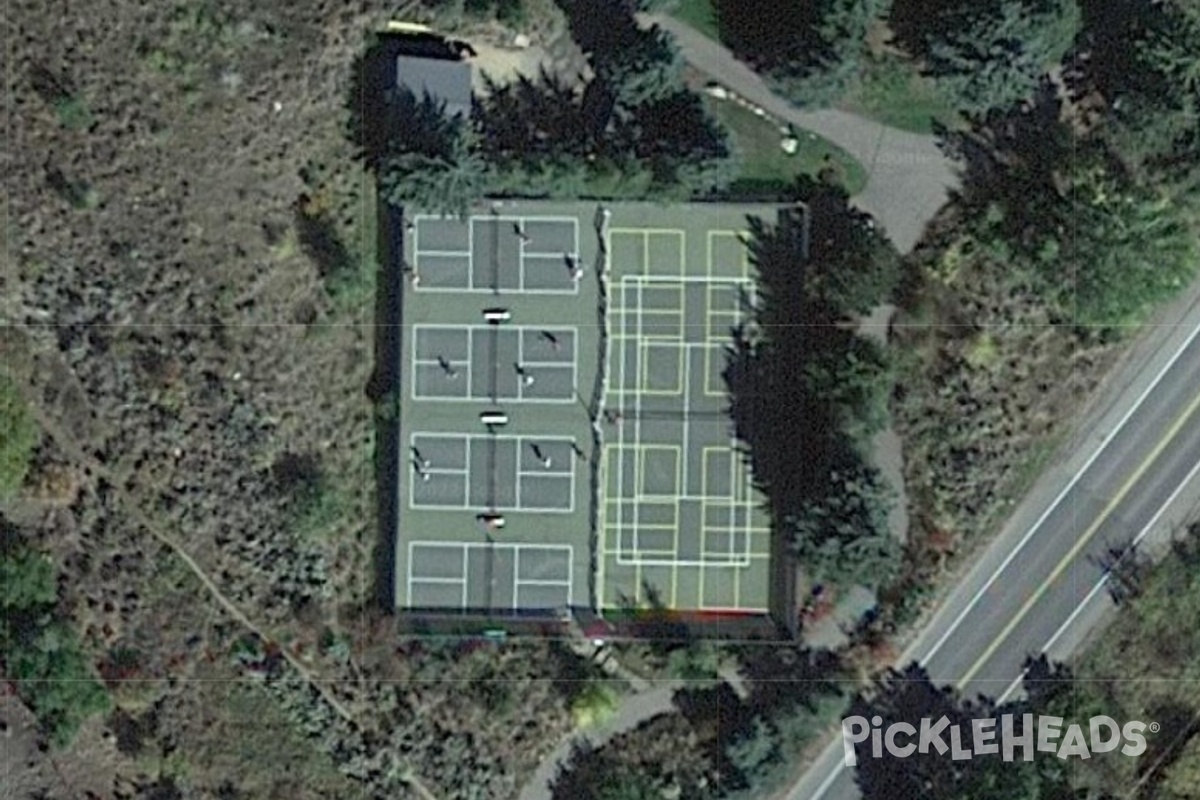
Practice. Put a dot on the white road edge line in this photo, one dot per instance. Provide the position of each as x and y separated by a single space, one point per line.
906 656
1100 584
1054 505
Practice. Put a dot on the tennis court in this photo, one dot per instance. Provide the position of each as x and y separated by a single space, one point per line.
492 472
465 575
679 513
498 343
526 329
488 362
496 253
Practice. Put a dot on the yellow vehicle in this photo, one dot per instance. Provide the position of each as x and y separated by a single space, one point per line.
395 26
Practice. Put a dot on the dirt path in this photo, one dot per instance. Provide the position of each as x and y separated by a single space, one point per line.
71 447
908 177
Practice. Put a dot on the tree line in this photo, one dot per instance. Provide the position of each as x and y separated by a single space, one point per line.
634 130
808 391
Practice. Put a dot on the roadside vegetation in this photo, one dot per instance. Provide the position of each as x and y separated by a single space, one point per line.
716 743
1143 668
1146 667
1077 219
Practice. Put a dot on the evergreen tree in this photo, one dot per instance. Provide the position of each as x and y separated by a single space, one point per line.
841 537
992 55
442 184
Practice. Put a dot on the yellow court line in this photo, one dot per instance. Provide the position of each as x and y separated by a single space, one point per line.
708 359
1174 430
676 452
705 452
720 334
602 523
737 237
737 588
644 356
675 555
681 236
677 301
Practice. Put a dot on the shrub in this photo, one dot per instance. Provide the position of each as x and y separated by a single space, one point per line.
18 437
595 703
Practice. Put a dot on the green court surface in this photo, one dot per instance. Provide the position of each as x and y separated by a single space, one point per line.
638 299
679 512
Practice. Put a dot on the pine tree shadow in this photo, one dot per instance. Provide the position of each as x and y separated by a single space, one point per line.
757 32
384 119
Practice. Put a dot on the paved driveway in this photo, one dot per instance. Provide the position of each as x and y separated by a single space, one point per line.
908 177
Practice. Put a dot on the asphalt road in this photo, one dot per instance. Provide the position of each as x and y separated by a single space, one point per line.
1131 476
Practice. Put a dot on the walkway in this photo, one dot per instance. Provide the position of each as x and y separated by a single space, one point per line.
908 177
633 711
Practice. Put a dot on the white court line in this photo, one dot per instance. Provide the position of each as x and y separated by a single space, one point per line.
418 253
666 562
620 448
685 279
531 292
469 363
467 547
516 584
687 424
466 567
408 578
441 581
733 489
570 573
1104 579
520 257
637 414
569 473
1012 554
413 436
417 361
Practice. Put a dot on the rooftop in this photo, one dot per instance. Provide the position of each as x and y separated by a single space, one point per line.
442 79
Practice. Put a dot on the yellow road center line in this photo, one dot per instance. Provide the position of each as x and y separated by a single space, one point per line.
1174 430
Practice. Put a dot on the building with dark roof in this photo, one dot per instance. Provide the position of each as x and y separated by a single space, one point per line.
443 80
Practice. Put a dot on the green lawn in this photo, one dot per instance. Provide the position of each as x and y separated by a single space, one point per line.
890 91
763 159
699 14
